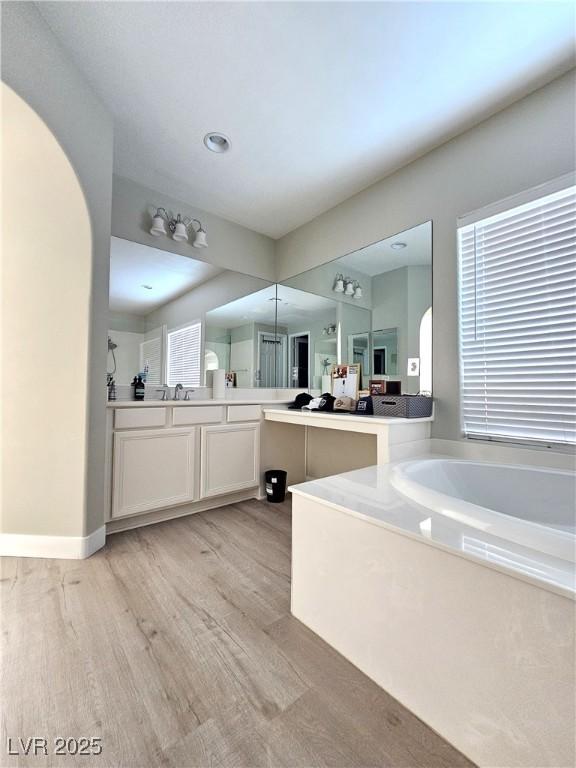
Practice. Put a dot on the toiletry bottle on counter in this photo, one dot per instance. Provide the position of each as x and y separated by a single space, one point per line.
111 388
133 387
139 389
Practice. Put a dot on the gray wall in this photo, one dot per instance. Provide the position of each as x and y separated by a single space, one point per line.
37 68
119 321
526 144
230 245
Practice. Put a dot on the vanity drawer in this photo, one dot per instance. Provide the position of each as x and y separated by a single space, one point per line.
197 414
128 418
244 412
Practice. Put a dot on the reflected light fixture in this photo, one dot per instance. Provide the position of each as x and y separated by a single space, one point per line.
180 227
339 283
398 245
347 286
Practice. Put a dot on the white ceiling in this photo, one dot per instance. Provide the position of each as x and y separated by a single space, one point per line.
381 257
260 307
133 265
320 99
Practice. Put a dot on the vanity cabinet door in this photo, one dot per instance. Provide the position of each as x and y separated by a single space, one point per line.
230 458
153 469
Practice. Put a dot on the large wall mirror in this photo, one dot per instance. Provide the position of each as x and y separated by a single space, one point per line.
374 308
174 319
160 320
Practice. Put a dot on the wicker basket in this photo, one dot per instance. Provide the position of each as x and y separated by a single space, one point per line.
404 406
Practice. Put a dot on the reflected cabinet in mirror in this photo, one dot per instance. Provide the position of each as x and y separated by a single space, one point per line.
372 307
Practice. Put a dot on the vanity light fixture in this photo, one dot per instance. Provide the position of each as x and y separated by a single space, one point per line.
347 286
179 227
330 330
397 246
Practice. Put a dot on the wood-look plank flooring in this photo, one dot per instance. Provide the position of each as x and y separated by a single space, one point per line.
175 645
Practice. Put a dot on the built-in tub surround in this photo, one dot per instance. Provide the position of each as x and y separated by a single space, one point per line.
471 631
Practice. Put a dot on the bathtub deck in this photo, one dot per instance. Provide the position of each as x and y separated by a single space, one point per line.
368 494
175 645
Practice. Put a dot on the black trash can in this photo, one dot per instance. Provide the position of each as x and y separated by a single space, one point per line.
275 481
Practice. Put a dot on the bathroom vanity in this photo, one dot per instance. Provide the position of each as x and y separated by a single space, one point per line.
166 459
171 458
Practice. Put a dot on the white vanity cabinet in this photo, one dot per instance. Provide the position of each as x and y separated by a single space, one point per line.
153 468
229 458
173 459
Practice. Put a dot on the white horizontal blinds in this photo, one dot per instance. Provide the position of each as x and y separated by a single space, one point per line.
184 356
151 356
518 322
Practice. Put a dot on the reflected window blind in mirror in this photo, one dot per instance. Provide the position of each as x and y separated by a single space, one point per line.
183 358
517 272
151 358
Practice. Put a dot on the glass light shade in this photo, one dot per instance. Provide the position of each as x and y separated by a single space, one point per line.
349 289
339 286
158 228
200 239
180 233
358 292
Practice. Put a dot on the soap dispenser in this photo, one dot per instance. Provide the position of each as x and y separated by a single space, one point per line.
139 389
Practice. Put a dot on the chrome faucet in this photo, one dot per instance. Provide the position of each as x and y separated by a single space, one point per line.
187 394
164 393
177 389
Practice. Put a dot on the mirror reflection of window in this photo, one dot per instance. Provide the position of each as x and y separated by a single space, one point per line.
211 362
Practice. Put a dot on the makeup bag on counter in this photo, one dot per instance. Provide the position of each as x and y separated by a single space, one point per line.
403 406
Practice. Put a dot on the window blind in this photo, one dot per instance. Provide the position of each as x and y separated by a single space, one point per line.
184 356
151 356
517 306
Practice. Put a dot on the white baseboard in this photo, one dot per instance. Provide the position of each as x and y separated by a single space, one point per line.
56 547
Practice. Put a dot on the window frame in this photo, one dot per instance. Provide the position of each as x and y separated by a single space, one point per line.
558 184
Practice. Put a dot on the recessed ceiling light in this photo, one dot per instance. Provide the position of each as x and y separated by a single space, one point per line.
216 142
148 287
398 245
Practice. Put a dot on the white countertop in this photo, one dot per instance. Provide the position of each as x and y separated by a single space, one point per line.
304 416
368 494
178 403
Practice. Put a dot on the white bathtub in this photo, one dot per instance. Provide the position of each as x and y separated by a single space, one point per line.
530 506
